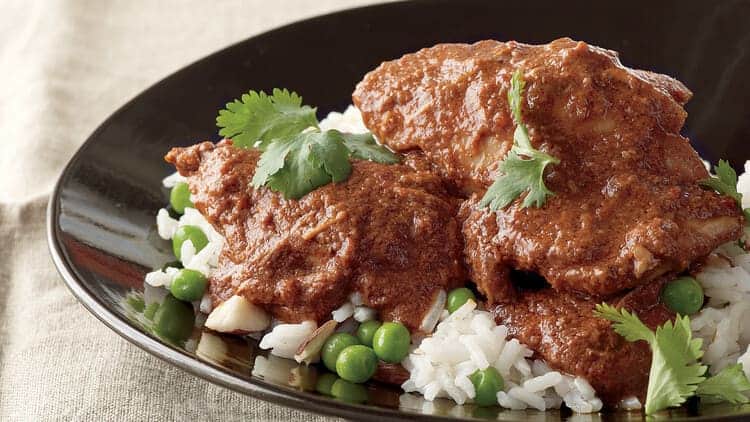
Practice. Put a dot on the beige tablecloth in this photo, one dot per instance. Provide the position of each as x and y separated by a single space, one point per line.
64 67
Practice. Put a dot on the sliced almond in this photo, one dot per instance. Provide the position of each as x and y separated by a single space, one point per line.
431 317
238 316
643 260
309 351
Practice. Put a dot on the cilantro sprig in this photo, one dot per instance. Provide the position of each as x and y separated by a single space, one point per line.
297 156
676 372
522 170
299 164
725 183
362 146
727 385
260 118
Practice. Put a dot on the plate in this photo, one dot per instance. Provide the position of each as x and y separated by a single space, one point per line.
101 226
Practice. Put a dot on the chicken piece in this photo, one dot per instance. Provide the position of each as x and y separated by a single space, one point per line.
562 329
627 207
388 232
450 101
598 245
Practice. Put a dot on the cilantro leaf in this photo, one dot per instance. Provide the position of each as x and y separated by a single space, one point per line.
297 157
726 173
257 118
517 174
675 371
725 181
674 374
515 96
271 161
297 165
625 324
363 147
723 188
728 385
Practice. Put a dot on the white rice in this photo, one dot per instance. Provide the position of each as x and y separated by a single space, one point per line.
285 339
469 339
724 323
743 185
172 180
348 121
343 313
364 314
161 278
354 308
204 261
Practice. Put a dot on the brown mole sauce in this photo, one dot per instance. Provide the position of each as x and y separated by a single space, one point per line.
561 329
627 207
388 232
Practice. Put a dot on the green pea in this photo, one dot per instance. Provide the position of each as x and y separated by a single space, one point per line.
356 363
188 285
179 197
487 382
325 382
174 319
391 342
349 391
366 332
333 346
458 297
191 233
683 295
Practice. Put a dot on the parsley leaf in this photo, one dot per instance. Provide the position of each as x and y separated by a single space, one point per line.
257 118
363 147
675 371
308 160
523 168
728 385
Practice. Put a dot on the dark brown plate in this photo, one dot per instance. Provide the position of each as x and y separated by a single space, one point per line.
101 215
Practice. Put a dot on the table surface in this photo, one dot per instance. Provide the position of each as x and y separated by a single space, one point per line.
65 66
